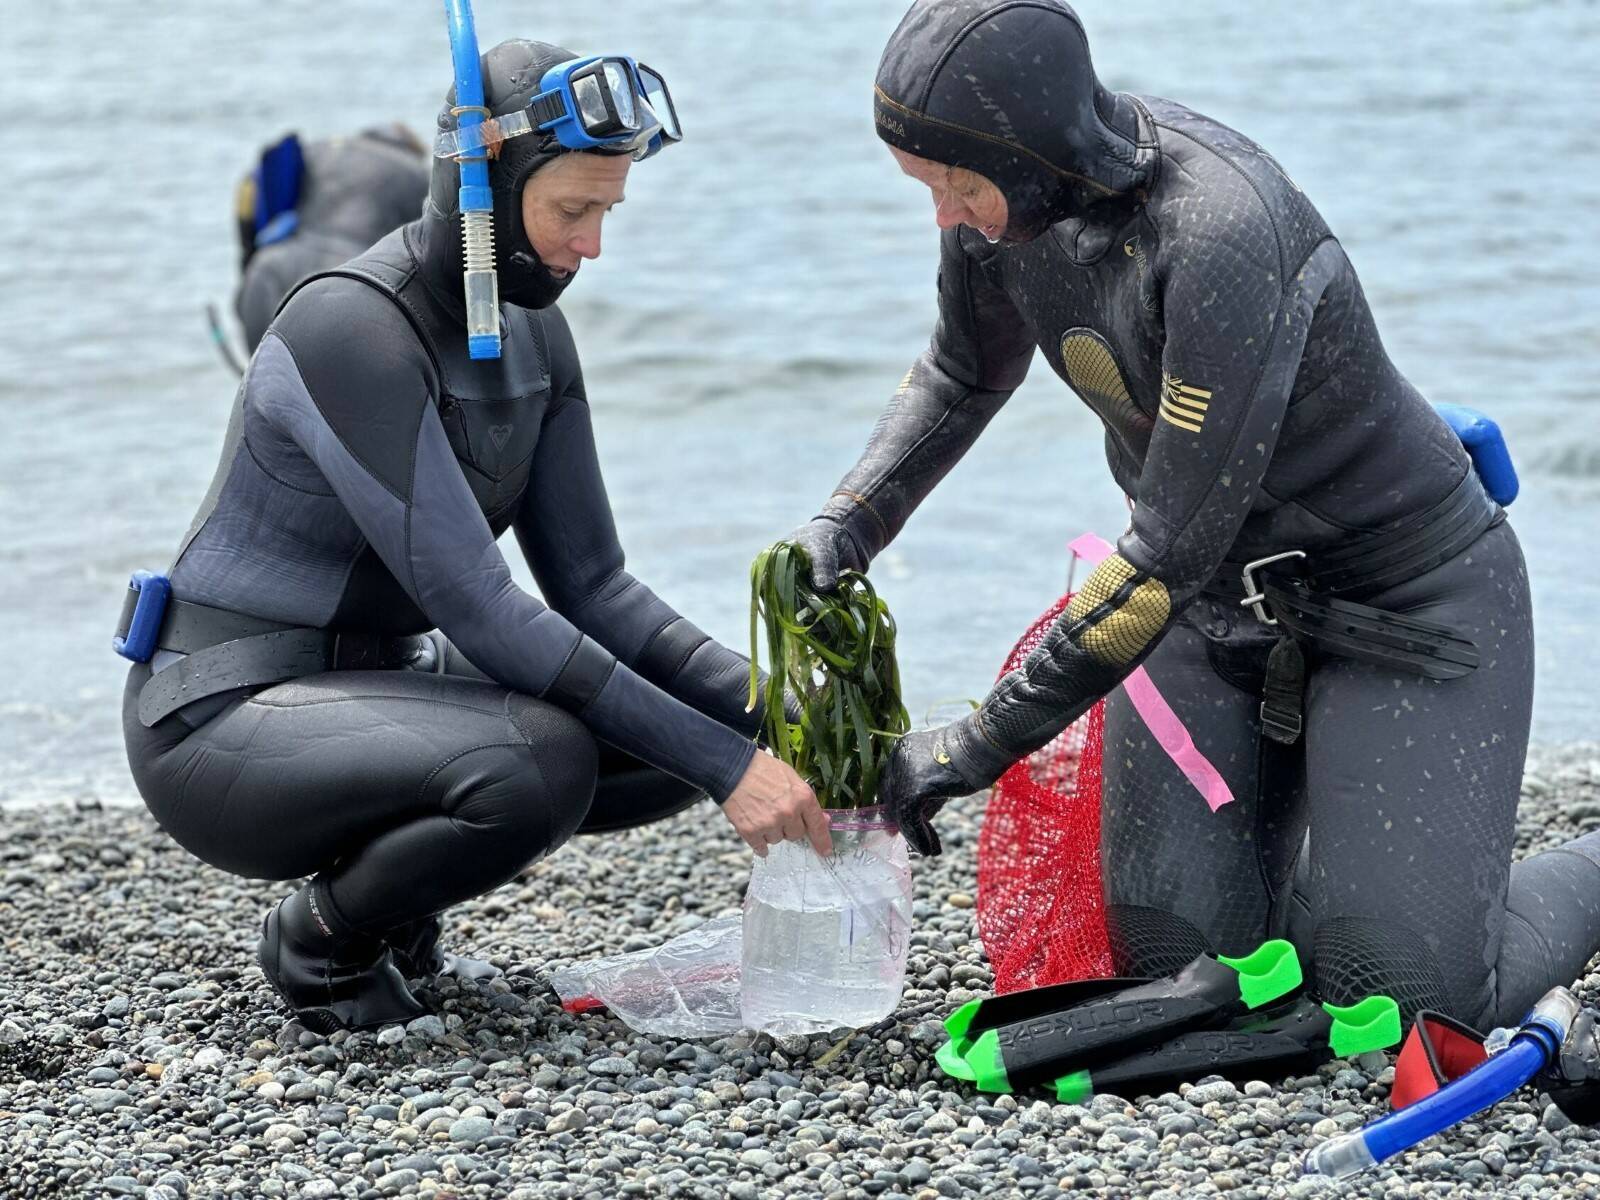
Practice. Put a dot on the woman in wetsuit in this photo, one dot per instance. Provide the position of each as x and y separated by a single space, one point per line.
1181 284
298 719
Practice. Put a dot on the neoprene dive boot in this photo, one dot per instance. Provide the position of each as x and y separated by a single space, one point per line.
1003 1043
1290 1039
415 947
332 978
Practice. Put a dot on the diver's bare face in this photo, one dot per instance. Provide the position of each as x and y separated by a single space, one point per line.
564 203
960 196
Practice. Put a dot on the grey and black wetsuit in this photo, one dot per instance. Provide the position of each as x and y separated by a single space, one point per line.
1179 282
356 190
369 467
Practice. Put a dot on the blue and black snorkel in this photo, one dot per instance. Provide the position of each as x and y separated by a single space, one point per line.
1555 1046
608 104
480 287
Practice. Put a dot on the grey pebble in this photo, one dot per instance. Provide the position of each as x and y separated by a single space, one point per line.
1218 1091
570 1121
429 1026
104 1100
1554 1119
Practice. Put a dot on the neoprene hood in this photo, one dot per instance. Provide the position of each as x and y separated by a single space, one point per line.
511 75
1006 88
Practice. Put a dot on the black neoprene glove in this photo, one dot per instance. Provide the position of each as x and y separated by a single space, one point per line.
931 766
831 549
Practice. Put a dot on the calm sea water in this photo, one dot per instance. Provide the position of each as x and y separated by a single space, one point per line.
761 293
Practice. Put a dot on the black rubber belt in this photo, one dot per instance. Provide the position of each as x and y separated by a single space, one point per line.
187 627
1367 634
263 659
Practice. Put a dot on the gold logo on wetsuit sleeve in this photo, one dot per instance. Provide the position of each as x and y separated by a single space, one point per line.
1183 405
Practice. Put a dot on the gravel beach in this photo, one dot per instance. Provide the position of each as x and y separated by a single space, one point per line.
141 1054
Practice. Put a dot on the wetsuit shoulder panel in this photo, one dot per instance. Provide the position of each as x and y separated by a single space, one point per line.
364 369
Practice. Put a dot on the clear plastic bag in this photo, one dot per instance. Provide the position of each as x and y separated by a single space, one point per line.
688 987
822 945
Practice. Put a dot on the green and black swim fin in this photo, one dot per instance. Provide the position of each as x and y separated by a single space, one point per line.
1010 1042
1291 1039
976 1017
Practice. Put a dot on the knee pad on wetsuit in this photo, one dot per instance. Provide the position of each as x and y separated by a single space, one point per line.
1151 941
1357 957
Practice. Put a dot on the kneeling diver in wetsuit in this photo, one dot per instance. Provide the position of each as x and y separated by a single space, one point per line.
297 717
1181 284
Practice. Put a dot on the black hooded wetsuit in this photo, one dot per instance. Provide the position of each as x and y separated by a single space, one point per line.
356 190
1176 279
368 469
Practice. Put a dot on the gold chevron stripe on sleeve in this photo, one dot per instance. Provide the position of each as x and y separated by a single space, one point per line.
1184 404
1182 420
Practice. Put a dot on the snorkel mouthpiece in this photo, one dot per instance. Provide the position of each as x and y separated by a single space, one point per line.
479 284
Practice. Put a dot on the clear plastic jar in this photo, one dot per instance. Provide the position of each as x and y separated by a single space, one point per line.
825 939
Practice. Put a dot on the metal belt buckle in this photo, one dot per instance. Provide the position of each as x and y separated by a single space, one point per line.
1255 599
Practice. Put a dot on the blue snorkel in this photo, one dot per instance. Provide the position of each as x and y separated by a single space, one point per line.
1531 1048
481 288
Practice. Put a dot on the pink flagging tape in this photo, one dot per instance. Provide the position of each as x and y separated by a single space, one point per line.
1153 708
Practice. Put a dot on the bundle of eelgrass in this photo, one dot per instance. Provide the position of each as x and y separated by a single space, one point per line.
835 653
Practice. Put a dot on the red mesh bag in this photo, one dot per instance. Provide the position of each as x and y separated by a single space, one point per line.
1041 909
